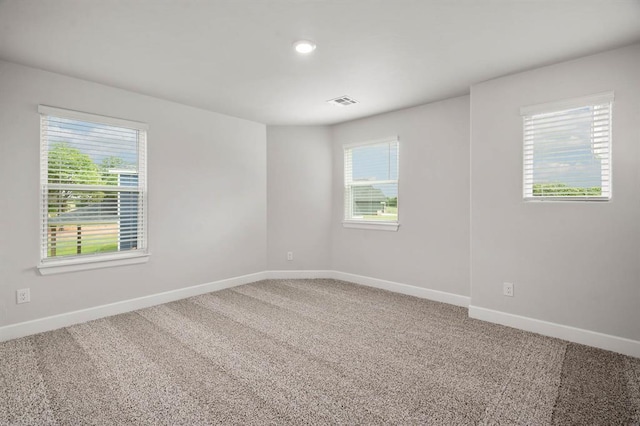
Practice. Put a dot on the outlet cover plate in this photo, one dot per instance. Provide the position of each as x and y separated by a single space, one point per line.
23 295
507 289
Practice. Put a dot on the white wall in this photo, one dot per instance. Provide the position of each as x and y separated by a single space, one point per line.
207 196
575 263
299 197
431 247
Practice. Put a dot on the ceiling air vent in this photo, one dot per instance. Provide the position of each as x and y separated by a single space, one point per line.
342 101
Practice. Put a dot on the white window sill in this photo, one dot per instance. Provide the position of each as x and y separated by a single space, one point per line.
91 262
370 224
565 199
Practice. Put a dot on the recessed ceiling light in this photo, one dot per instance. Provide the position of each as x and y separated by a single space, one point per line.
304 46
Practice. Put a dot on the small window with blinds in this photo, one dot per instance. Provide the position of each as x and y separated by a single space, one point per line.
567 149
93 188
371 184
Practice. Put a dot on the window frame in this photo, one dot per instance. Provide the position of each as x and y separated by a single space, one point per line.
48 265
363 223
558 106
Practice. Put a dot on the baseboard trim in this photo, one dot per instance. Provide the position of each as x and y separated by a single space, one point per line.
586 337
283 274
572 334
423 293
14 331
411 290
40 325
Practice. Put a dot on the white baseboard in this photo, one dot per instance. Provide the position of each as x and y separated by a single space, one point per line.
14 331
577 335
297 274
423 293
54 322
572 334
411 290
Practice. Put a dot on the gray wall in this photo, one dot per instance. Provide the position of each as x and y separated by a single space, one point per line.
207 196
210 175
299 197
572 263
431 247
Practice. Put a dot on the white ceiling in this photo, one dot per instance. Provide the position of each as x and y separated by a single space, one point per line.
236 56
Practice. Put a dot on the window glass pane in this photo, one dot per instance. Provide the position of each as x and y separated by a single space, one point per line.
567 153
371 182
375 202
565 161
85 153
92 188
375 162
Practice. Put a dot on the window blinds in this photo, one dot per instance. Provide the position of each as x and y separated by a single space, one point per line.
567 149
371 181
93 185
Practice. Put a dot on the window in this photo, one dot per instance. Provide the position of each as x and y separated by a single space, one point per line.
93 191
371 185
567 149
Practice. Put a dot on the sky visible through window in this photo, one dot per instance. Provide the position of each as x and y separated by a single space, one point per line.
376 162
99 141
567 155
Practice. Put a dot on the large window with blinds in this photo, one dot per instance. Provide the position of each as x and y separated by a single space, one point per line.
567 149
371 184
93 188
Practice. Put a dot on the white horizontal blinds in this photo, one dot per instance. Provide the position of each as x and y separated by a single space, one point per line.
371 181
93 176
567 152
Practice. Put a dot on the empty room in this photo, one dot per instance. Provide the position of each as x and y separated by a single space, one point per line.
320 212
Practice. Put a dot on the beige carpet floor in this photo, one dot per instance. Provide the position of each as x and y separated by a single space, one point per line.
309 352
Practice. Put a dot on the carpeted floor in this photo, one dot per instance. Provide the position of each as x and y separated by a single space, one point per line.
309 352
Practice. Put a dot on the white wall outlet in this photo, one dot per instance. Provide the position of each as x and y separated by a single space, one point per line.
507 289
23 295
289 255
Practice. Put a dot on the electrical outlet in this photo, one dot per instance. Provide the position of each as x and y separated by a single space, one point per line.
23 295
289 255
507 289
